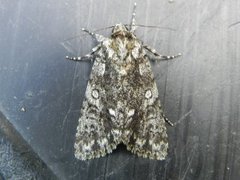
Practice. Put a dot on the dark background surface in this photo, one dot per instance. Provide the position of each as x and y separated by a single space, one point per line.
41 93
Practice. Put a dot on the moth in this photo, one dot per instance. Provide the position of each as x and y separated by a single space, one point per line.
121 101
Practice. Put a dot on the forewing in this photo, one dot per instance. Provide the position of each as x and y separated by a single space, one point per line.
94 137
147 137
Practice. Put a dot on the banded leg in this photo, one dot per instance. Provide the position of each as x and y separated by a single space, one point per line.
133 21
98 37
87 56
167 120
159 56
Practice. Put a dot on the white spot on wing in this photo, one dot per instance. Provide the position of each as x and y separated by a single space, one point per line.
112 112
95 93
148 94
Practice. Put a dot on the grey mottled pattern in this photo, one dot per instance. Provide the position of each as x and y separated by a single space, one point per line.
121 101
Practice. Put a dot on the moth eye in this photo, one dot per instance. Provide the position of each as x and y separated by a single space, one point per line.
95 94
148 94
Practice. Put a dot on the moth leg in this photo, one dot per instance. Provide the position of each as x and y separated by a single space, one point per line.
87 56
167 120
98 37
133 21
159 56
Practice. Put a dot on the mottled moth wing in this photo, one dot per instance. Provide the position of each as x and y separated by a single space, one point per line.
94 137
121 102
149 137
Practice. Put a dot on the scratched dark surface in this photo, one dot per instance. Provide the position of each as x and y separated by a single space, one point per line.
41 93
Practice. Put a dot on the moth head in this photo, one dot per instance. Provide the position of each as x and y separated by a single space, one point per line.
120 30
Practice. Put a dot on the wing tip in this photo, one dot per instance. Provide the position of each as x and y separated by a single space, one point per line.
161 155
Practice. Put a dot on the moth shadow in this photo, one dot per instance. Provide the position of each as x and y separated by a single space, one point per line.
122 150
